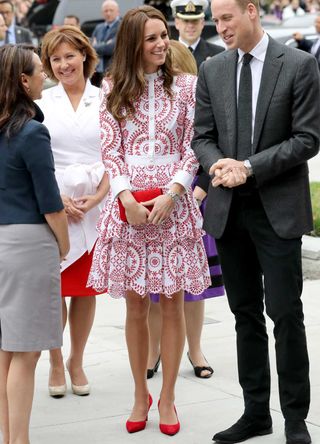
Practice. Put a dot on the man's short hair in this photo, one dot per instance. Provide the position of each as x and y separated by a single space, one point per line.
7 1
244 3
71 16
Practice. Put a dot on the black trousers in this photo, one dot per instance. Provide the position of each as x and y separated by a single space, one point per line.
260 269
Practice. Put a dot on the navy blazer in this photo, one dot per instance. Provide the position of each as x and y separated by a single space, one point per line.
105 48
28 187
306 45
205 50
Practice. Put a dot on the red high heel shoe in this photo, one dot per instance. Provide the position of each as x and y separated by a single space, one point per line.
169 429
137 426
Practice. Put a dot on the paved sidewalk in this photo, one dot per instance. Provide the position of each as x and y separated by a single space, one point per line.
204 406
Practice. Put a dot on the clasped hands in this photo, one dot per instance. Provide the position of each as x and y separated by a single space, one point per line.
229 173
76 208
138 214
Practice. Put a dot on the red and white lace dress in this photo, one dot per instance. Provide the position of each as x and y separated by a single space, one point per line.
151 150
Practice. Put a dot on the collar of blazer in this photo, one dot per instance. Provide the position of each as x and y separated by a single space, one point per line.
271 70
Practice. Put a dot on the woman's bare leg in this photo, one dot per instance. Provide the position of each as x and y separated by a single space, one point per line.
137 336
194 314
57 376
154 321
20 389
5 360
172 344
81 316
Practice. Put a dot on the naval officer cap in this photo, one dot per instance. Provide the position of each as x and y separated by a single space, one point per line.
189 9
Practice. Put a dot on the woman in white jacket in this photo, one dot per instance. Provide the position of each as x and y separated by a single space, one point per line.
71 112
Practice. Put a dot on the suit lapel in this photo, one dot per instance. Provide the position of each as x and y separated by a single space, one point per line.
270 73
230 97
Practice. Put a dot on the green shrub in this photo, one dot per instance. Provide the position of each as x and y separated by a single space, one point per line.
315 198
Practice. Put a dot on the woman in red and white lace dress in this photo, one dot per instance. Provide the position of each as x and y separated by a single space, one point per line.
146 119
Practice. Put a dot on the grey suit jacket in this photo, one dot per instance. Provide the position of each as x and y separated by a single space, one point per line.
106 48
286 135
23 35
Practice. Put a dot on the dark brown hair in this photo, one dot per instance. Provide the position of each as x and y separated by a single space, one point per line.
74 37
17 107
126 70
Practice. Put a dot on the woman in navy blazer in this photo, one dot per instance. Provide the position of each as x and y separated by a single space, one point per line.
33 239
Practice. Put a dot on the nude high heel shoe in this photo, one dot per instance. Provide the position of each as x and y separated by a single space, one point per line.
58 391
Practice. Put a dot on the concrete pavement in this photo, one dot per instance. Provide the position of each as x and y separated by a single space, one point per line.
204 406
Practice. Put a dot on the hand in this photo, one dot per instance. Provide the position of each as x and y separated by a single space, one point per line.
137 214
86 203
64 250
199 194
229 173
162 208
70 208
63 256
297 36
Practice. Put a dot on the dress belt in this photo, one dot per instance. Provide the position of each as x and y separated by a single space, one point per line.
145 160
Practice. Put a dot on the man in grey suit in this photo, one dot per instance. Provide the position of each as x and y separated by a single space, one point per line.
104 38
15 34
257 123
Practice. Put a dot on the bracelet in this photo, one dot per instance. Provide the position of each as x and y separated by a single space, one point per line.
174 196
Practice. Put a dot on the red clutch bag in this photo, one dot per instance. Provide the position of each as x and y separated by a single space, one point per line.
140 196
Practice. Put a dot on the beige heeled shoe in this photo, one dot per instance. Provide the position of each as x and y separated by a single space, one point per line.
81 390
58 391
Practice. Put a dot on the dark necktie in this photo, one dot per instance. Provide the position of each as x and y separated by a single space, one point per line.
7 37
190 49
317 52
105 33
244 115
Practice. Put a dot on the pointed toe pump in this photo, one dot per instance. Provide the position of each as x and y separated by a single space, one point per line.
169 429
137 426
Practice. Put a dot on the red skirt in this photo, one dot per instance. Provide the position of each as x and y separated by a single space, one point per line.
74 278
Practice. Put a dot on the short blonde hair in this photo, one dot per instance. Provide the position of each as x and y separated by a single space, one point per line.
74 37
182 59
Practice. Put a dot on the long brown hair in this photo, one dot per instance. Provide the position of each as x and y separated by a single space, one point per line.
17 107
73 37
126 70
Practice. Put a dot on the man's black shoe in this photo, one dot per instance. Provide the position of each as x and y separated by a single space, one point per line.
244 429
296 432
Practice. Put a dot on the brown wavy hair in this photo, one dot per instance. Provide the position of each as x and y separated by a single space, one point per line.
17 107
75 38
126 71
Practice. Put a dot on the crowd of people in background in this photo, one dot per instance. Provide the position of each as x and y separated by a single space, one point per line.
139 156
285 9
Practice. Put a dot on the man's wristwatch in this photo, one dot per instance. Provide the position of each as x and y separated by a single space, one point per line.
174 196
248 165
